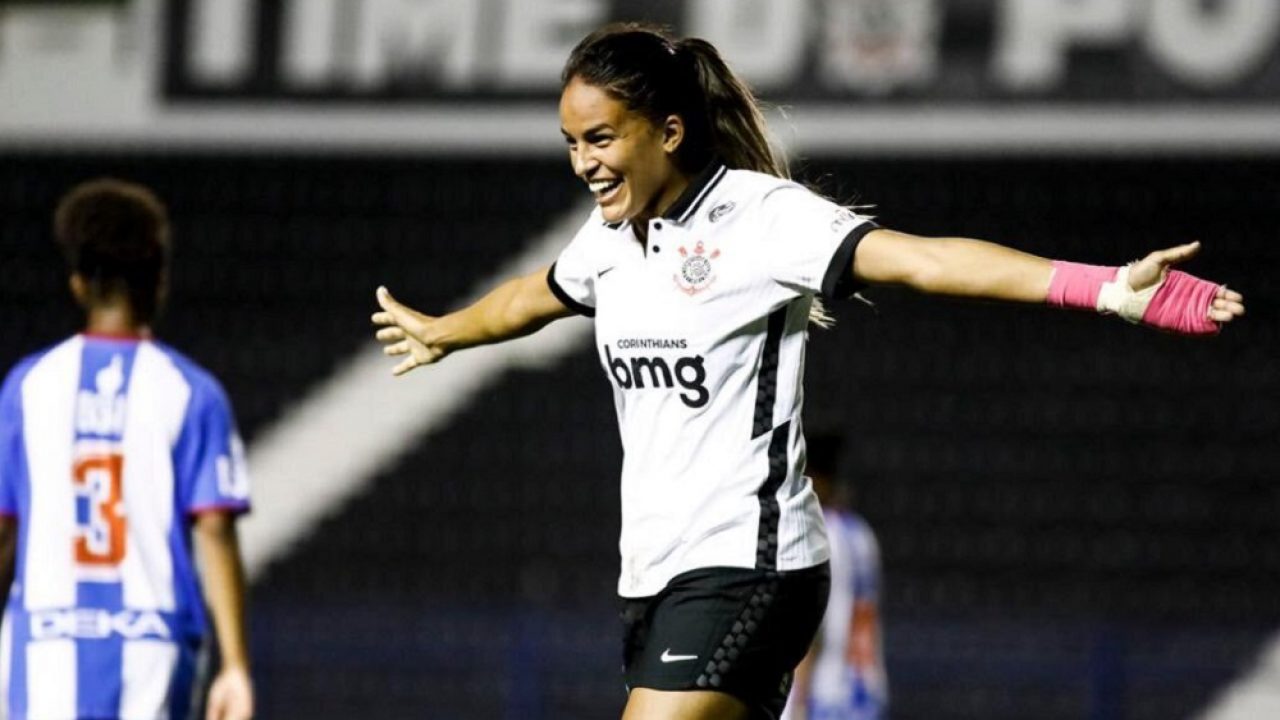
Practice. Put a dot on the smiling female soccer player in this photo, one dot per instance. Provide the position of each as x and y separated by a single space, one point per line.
701 264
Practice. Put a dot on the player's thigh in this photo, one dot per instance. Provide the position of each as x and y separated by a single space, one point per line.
647 704
723 632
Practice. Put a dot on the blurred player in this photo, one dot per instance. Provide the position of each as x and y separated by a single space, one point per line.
701 265
843 676
115 452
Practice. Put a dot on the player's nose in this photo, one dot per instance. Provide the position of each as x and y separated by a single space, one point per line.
584 164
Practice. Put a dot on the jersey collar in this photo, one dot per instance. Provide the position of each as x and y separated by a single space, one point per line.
118 337
699 187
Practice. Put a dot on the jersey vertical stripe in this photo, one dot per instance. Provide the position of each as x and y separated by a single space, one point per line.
766 402
44 678
770 512
767 381
48 403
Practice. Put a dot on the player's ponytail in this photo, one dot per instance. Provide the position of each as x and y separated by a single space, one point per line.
115 235
734 127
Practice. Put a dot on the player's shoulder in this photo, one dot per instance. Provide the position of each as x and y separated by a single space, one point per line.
204 385
14 378
752 184
849 523
838 519
855 522
769 196
861 534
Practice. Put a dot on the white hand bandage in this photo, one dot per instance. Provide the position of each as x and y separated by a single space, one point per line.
1117 298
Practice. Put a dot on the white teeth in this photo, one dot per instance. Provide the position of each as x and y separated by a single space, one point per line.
600 186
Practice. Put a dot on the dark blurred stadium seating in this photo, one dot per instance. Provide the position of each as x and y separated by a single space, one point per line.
1078 518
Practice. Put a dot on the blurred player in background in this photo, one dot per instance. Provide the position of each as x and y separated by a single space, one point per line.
115 453
702 264
843 676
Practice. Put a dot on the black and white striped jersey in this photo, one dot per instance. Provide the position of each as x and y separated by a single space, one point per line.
702 333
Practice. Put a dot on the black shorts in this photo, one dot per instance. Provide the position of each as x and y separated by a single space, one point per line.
736 630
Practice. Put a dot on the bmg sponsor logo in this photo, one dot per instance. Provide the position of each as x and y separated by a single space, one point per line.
640 372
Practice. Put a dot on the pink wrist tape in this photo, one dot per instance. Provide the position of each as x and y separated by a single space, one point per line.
1182 305
1076 285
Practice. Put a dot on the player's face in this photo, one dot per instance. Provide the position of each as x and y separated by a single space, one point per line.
626 160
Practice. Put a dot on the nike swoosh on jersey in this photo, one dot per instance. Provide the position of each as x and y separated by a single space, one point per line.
667 657
605 271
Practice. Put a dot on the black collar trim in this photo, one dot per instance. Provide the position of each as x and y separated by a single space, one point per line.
701 185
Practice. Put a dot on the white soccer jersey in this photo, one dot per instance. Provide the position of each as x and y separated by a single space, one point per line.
702 333
108 447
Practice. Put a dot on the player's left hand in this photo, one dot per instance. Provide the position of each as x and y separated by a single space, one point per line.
1226 305
231 696
402 333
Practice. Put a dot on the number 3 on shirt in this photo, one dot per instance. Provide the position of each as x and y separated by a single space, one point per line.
100 535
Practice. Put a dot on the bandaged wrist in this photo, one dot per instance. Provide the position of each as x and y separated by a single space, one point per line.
1075 285
1178 302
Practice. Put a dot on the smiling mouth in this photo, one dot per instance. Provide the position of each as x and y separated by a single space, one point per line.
605 189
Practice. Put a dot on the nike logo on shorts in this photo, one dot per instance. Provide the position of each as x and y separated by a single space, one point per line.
667 657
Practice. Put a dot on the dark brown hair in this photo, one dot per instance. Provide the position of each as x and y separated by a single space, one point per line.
656 75
115 235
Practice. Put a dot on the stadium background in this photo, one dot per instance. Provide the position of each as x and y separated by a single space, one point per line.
1078 518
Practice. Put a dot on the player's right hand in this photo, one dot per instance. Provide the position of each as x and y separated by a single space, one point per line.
404 332
230 696
1224 305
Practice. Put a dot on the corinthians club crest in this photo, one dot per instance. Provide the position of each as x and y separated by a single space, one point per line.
696 272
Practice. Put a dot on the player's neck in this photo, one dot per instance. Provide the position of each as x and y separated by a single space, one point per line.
116 320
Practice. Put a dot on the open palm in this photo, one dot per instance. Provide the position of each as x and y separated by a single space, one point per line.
405 332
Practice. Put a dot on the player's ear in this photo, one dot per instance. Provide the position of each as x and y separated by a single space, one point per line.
79 289
672 133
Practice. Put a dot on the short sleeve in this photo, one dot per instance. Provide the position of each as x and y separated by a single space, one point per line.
209 461
573 276
12 455
811 241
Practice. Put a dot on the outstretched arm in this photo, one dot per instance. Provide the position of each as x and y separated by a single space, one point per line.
515 308
952 266
962 267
